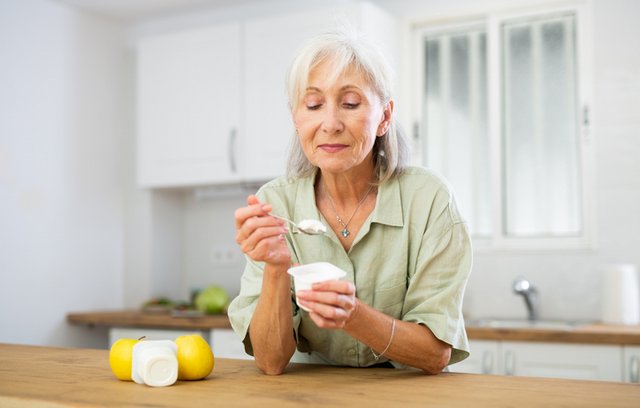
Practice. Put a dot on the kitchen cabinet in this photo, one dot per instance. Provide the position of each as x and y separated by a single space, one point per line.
189 106
554 360
224 342
116 333
482 360
631 364
227 344
551 360
270 45
212 105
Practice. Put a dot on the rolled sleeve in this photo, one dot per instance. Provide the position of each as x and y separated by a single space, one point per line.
436 289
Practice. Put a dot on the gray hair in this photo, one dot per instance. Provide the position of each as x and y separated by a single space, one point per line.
345 49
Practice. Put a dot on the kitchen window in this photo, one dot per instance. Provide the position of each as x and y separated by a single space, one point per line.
503 115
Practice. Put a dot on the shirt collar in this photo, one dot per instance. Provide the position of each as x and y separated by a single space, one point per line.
388 203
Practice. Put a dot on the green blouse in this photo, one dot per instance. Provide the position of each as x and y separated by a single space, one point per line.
410 260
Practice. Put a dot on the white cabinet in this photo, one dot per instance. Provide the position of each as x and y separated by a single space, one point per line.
224 342
116 333
227 344
211 103
562 360
270 45
550 360
189 106
482 360
631 364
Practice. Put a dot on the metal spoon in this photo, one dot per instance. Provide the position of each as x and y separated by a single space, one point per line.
319 228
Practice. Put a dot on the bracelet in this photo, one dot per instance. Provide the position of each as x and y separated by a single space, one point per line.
393 331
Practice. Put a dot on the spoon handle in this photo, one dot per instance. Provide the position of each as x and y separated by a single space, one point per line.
284 219
296 229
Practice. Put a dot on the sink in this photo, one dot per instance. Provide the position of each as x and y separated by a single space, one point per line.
525 324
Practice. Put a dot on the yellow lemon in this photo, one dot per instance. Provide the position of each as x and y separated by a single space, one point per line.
120 357
195 358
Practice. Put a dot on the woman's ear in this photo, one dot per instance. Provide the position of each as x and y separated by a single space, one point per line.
387 114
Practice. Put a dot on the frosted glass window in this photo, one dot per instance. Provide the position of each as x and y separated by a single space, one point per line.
540 133
455 120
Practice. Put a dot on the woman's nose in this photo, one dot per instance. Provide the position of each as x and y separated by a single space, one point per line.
331 121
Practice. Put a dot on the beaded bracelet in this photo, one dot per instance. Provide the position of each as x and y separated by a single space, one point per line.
393 331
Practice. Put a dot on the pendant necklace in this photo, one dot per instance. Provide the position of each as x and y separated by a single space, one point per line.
345 231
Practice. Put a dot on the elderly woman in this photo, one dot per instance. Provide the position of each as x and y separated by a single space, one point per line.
394 229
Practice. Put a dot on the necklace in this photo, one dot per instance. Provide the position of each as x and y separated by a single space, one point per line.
345 231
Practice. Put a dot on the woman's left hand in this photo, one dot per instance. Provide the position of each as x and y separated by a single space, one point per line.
332 304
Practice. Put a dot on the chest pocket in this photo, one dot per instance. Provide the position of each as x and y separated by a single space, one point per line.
389 300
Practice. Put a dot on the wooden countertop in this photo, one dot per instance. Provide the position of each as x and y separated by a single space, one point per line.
33 376
136 318
588 333
591 333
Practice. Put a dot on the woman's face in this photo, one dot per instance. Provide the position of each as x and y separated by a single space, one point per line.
337 123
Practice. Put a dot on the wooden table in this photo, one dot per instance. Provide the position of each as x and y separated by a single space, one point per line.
36 377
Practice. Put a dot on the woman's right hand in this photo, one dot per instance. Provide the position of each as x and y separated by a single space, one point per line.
259 235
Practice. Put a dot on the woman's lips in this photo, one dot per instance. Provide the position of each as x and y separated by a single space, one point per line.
332 148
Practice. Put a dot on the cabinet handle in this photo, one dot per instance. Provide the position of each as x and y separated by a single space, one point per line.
634 370
487 362
232 150
510 363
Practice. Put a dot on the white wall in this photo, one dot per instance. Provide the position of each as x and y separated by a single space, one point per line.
64 156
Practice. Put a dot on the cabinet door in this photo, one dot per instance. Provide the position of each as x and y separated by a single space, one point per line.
227 344
116 333
270 45
189 99
562 360
631 364
483 358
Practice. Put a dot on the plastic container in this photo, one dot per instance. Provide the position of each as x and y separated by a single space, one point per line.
621 294
155 363
304 276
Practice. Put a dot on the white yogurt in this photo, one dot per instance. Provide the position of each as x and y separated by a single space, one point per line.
304 276
155 363
312 226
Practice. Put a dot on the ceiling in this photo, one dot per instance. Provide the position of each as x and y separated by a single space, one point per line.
130 11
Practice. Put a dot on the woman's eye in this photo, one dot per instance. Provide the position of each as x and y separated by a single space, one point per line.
313 107
350 105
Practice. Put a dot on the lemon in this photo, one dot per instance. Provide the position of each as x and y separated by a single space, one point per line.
195 358
120 357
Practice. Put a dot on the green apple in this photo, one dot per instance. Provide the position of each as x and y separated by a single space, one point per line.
212 300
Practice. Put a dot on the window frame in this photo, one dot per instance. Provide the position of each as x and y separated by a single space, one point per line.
492 22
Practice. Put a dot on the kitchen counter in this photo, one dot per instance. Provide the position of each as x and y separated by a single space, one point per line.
589 333
32 376
136 318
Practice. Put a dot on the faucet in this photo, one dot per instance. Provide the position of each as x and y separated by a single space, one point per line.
523 287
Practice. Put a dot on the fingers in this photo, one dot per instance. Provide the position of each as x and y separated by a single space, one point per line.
259 235
340 286
251 199
257 228
254 208
331 303
254 217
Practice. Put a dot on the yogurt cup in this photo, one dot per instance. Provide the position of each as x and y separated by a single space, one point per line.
304 276
155 363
